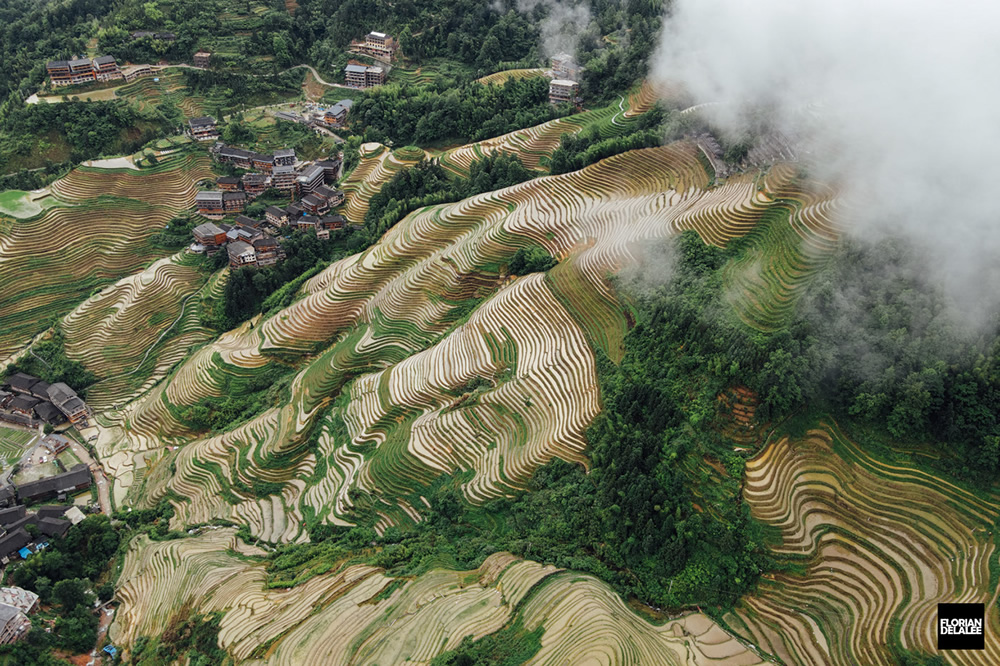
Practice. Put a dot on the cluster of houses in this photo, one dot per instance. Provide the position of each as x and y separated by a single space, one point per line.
16 539
29 401
105 68
16 604
247 241
277 171
563 89
319 117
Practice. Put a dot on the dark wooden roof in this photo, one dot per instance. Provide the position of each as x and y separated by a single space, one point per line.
53 527
14 541
22 382
11 515
77 476
49 413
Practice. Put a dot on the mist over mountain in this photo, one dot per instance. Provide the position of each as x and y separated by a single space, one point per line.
892 101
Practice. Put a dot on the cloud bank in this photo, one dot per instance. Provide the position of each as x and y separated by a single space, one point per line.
563 25
895 102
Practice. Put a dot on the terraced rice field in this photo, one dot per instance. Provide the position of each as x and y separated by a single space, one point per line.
370 323
13 443
800 235
377 167
872 547
534 145
359 615
500 78
170 88
134 331
53 261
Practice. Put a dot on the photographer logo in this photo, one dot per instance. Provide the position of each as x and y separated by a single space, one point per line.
961 626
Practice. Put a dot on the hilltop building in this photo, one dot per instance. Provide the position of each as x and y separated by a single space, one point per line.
378 45
363 76
562 91
564 67
83 70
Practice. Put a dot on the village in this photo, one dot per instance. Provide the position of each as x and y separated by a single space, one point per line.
252 242
41 463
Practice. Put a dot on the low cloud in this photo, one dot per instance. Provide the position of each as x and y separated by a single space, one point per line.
894 102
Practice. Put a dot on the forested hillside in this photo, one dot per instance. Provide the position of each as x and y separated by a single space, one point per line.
559 379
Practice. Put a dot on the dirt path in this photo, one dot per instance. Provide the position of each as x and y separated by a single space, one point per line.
103 488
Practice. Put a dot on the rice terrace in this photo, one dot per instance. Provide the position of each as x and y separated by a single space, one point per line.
465 335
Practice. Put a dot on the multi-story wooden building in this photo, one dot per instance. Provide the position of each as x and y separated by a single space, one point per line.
211 203
262 162
563 91
254 184
284 157
203 59
332 196
268 251
59 74
276 216
283 178
236 156
227 183
70 404
203 129
234 202
106 69
81 70
316 205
